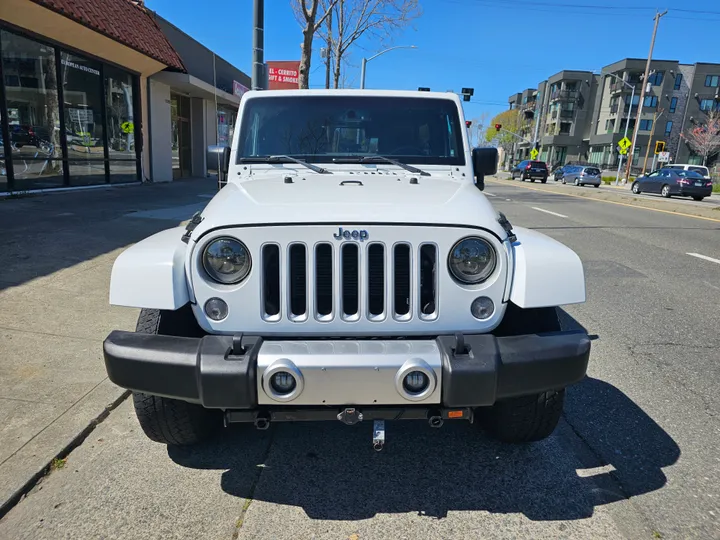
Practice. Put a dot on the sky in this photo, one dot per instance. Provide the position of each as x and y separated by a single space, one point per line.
497 47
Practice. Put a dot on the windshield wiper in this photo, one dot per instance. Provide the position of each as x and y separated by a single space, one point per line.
374 158
285 159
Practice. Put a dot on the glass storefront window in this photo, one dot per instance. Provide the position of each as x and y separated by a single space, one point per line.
225 125
120 115
33 111
83 119
95 101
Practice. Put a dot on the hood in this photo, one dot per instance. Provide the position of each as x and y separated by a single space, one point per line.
350 198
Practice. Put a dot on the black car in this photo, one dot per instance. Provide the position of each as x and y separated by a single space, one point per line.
532 170
668 182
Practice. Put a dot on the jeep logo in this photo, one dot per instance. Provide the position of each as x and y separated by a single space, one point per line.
351 235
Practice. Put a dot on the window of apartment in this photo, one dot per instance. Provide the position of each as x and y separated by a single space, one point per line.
571 86
610 125
650 101
524 100
712 80
631 127
709 105
673 104
668 127
678 81
565 128
646 125
656 78
635 100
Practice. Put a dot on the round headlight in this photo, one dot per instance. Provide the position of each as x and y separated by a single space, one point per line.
472 260
226 260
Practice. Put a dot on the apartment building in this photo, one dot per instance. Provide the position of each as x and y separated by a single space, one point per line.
526 103
567 116
583 115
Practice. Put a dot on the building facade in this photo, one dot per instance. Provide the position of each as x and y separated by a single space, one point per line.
583 115
83 98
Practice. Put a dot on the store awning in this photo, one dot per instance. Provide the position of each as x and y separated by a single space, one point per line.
194 87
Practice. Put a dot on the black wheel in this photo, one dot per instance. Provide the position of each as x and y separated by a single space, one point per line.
544 180
696 198
596 185
171 421
523 419
563 180
532 180
665 191
636 188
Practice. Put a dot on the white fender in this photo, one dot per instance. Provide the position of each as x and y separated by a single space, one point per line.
151 273
547 273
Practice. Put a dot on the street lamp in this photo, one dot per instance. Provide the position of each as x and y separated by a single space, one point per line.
366 60
627 122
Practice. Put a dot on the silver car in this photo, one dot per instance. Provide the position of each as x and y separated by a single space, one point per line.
582 175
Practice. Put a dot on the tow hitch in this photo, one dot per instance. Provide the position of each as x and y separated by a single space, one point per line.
378 435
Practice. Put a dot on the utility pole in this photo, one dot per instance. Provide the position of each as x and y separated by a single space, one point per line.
642 94
328 51
258 66
650 139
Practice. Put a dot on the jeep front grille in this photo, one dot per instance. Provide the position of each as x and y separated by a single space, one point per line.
350 281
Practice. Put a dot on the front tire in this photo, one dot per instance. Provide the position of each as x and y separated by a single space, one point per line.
523 419
172 421
665 191
636 188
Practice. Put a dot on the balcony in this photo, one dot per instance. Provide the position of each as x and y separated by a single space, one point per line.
564 95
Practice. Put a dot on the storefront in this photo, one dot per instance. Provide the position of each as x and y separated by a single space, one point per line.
67 119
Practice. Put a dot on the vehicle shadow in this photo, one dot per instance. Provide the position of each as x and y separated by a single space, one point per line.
331 471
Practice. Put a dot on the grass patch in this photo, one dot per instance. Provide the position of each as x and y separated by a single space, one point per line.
57 463
716 188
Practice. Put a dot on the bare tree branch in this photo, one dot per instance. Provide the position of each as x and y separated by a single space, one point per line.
306 13
704 139
378 20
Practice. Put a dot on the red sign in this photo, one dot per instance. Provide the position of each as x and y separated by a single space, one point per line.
283 75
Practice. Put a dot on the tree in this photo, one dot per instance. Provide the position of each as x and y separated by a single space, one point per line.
306 13
704 139
510 120
378 20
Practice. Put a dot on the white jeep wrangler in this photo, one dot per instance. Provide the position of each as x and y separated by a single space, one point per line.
350 269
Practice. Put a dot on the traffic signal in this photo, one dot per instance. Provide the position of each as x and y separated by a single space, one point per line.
423 89
467 93
497 127
468 123
659 146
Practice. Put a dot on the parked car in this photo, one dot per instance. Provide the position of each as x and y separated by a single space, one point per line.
581 175
701 169
668 182
532 170
559 172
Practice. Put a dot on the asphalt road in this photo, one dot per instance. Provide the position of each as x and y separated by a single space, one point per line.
635 455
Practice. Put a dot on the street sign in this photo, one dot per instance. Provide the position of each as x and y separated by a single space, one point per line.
534 153
664 157
621 151
624 144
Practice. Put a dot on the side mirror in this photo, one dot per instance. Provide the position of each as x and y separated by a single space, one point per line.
484 162
218 161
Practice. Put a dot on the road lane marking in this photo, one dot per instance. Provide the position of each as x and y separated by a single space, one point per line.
490 194
704 257
548 212
610 202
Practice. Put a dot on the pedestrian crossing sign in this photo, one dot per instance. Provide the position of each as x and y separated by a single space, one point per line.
534 153
624 144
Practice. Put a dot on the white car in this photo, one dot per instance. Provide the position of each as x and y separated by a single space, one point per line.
350 269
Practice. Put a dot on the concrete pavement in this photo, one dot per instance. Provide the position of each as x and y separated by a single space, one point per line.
635 455
56 254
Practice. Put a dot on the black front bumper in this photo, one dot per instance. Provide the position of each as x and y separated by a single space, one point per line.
220 371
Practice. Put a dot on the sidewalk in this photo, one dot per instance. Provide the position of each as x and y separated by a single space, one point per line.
56 254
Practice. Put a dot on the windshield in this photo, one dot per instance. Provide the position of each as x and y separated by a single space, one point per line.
323 128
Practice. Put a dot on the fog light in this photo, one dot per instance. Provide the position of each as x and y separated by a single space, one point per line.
216 309
482 308
415 382
283 382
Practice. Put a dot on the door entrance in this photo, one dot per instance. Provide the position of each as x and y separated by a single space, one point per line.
180 129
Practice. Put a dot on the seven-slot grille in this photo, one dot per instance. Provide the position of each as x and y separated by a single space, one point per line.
351 281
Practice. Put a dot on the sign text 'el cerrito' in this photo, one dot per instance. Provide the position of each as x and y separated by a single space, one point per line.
283 75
